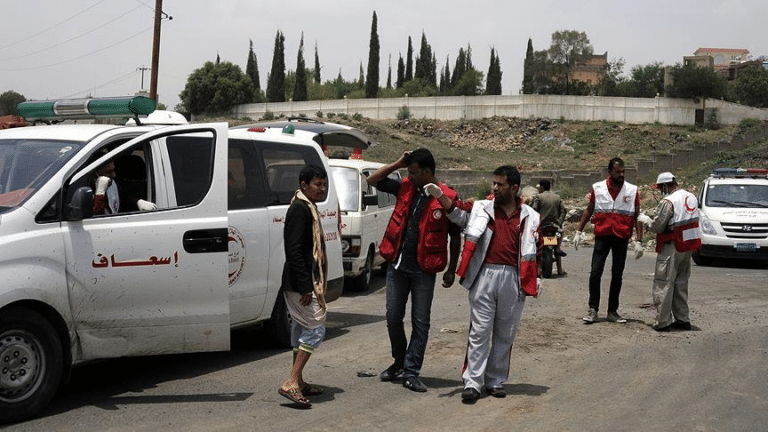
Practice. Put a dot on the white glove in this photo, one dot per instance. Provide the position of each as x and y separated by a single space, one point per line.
638 246
102 183
577 238
145 205
539 286
644 219
433 189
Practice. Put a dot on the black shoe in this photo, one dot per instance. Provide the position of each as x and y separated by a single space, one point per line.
496 392
663 329
415 384
391 373
681 325
469 395
560 253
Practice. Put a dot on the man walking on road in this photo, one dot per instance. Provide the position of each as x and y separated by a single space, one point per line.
415 245
615 204
499 268
677 235
549 205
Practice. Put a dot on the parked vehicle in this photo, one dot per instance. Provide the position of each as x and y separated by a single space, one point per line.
76 287
365 213
733 215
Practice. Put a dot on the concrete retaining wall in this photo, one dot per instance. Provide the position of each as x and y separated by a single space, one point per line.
578 108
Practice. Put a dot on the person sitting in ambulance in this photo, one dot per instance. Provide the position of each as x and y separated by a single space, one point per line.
106 198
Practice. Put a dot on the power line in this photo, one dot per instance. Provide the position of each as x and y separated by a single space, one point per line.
73 38
120 78
82 56
52 27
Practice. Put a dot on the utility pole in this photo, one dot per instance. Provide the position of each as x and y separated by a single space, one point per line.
142 69
155 50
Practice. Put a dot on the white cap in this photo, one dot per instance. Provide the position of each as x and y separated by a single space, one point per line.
665 177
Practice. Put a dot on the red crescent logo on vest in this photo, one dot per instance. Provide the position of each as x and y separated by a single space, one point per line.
627 198
689 209
437 214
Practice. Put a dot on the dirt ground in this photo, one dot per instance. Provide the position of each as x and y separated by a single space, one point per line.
564 376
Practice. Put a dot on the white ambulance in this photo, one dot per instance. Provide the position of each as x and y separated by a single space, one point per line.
77 286
733 215
365 213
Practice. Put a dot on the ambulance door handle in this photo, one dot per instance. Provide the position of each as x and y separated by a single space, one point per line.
206 240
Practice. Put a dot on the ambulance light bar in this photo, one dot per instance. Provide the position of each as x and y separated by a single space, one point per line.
66 109
740 172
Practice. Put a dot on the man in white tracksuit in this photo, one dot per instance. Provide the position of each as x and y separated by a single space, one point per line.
499 268
678 235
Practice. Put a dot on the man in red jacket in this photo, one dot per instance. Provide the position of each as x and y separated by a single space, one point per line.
415 245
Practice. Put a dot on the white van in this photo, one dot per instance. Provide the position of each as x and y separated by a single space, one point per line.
365 213
733 215
76 286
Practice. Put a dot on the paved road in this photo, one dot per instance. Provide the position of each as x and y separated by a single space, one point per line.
565 376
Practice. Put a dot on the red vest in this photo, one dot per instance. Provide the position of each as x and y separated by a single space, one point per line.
432 249
614 217
685 234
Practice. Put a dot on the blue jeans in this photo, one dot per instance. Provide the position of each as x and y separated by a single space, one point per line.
617 247
421 287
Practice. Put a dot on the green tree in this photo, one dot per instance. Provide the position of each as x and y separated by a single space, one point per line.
316 72
445 77
528 69
389 73
372 79
459 68
409 62
613 76
423 68
646 81
568 48
252 70
216 88
751 87
400 73
470 84
300 88
493 83
276 79
696 82
361 78
8 102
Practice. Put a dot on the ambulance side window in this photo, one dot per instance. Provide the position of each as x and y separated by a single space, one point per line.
191 159
282 166
245 176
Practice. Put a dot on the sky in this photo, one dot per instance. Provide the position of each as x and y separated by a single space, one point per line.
52 49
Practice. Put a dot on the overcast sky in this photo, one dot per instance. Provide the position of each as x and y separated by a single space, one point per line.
67 49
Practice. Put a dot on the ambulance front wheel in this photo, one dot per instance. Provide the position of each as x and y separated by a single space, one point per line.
31 363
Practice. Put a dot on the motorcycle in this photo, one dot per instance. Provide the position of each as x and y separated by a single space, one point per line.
551 235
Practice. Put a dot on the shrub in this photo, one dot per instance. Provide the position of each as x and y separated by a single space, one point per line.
404 113
357 116
268 115
319 114
748 123
331 115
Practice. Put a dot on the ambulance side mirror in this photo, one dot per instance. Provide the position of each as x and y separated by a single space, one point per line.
81 205
370 200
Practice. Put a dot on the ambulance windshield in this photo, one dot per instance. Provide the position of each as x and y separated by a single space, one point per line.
26 164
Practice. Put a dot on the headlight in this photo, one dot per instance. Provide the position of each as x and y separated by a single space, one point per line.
706 225
350 246
344 245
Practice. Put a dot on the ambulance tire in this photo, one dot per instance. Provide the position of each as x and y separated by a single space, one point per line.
363 281
31 364
701 260
279 325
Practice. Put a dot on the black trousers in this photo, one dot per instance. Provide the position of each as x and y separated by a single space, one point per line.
617 247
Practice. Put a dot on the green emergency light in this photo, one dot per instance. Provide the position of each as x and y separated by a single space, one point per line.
73 109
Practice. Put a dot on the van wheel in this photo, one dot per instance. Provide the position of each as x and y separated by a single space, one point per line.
31 364
701 260
363 280
279 325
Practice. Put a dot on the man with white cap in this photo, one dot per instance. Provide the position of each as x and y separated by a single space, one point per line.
677 235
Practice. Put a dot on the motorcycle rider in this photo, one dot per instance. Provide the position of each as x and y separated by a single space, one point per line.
552 211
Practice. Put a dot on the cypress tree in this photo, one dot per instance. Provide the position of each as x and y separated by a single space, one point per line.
300 89
400 72
389 73
361 80
276 80
459 68
317 66
372 81
493 84
528 69
409 62
252 70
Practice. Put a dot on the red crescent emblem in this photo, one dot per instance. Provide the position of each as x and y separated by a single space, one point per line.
689 209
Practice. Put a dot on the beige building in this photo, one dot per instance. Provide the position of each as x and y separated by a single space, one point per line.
723 57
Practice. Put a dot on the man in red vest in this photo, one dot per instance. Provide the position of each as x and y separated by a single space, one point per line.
614 205
677 235
415 244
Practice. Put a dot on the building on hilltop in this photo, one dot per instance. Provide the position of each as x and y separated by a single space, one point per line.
724 57
591 71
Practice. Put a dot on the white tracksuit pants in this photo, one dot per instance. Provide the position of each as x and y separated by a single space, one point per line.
496 306
670 286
